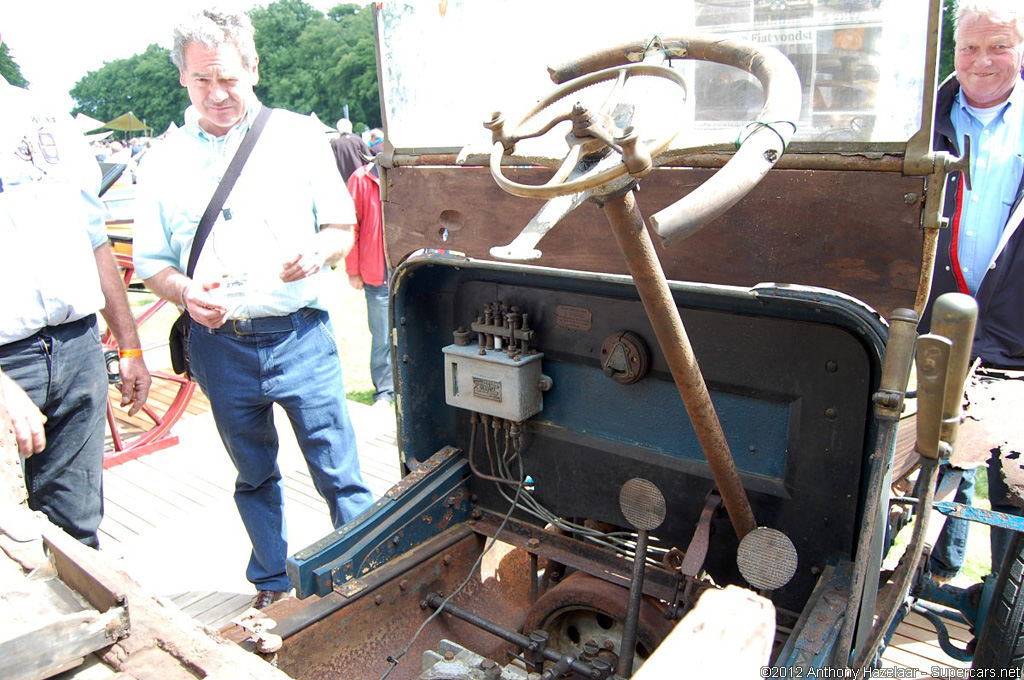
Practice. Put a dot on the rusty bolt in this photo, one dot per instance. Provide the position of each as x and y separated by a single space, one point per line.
403 584
488 664
517 358
447 560
449 656
609 645
771 155
533 543
377 600
450 501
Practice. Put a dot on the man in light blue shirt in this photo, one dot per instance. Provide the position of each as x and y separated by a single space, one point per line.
260 334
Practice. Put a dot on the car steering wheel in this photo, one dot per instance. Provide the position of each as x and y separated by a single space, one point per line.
582 170
593 132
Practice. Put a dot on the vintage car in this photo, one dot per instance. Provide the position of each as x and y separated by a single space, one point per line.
652 327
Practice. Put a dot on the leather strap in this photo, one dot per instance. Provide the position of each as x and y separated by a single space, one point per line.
224 188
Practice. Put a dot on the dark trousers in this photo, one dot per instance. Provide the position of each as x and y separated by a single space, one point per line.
61 369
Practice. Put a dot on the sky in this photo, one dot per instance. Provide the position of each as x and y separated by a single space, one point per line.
56 42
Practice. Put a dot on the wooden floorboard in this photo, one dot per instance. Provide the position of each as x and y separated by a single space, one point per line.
170 515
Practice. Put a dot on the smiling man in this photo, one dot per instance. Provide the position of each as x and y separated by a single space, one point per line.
982 253
260 333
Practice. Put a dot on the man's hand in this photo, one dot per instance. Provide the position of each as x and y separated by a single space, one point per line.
201 307
325 248
27 418
302 265
356 281
135 383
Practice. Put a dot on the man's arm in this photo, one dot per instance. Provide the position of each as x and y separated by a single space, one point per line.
172 285
135 379
327 247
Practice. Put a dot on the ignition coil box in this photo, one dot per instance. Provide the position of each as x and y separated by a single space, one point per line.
493 383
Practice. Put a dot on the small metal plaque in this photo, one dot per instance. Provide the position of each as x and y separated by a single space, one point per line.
487 389
574 318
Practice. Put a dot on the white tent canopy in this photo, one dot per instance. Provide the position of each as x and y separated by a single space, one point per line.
86 123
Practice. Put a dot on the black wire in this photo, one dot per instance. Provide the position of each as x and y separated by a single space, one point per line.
393 660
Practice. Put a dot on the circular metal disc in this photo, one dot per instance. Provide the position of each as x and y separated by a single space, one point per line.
767 558
642 503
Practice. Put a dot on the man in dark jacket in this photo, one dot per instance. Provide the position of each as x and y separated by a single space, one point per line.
982 254
350 151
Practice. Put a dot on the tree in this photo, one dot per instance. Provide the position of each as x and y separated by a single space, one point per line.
9 68
146 84
946 41
312 63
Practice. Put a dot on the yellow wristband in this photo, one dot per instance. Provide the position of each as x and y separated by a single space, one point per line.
129 353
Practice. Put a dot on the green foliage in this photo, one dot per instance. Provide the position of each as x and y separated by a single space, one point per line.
146 84
946 41
312 63
308 63
9 68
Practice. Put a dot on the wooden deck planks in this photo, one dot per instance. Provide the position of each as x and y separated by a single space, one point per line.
171 516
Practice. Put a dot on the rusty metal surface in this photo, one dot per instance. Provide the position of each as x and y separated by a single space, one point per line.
697 551
992 422
805 227
356 640
580 596
564 550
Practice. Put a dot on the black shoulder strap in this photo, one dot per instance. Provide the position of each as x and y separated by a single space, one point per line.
226 183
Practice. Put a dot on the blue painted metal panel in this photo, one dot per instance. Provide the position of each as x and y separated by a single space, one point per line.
424 504
753 425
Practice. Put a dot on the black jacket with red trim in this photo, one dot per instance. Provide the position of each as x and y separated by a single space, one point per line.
999 337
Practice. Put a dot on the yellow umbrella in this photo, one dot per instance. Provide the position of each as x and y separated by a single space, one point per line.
127 122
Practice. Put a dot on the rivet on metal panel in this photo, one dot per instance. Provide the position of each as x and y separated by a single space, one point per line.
377 600
831 365
403 584
447 560
831 413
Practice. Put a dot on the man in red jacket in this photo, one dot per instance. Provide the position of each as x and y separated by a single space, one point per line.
367 271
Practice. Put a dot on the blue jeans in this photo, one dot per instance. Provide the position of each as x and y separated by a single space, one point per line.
951 546
243 376
61 369
380 347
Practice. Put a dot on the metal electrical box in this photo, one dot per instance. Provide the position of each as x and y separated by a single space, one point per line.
493 382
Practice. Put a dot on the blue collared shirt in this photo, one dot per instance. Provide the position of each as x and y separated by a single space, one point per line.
288 188
996 168
51 220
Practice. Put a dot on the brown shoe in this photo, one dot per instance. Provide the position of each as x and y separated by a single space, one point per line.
265 598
